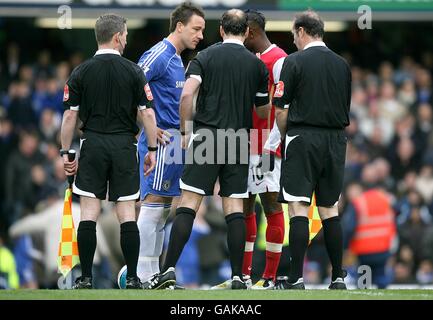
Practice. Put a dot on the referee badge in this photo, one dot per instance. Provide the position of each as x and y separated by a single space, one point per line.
166 185
279 90
148 92
66 93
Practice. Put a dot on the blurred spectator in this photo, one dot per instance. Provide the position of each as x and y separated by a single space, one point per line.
356 158
407 94
12 61
63 71
424 183
405 71
375 146
383 174
20 110
386 71
388 105
358 105
43 68
403 273
369 229
7 145
54 97
212 247
424 275
427 244
352 131
413 232
374 123
404 159
25 254
423 81
49 125
406 184
38 97
26 75
76 59
404 207
8 273
425 122
19 186
312 274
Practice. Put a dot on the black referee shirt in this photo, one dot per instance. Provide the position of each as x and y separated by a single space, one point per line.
315 85
233 80
107 90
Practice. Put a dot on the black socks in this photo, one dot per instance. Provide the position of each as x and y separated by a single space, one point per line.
236 233
298 243
130 244
179 235
333 235
86 238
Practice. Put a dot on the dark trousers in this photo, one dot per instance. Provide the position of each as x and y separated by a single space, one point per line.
377 263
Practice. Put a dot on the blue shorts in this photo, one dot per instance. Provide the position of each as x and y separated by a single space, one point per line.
164 179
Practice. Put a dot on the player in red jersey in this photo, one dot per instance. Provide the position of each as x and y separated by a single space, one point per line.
265 166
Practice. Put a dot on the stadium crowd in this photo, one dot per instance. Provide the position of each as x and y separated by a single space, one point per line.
390 146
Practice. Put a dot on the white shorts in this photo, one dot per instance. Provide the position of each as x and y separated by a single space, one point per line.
259 182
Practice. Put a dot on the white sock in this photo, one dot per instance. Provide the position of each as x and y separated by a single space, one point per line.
151 222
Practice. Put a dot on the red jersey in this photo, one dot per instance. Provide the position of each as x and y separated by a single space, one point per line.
269 57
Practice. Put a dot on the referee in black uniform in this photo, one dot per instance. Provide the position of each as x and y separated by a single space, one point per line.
231 81
313 99
105 92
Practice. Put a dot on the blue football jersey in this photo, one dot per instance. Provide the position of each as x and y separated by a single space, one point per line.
165 73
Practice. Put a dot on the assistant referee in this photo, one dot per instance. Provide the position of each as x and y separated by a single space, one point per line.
313 99
105 92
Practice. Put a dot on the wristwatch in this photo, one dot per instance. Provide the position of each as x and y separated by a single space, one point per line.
63 152
152 148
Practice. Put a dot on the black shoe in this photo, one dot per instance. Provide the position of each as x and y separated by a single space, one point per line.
133 283
175 287
282 283
338 284
162 280
298 285
83 283
238 284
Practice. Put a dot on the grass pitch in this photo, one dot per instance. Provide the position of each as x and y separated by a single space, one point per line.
116 294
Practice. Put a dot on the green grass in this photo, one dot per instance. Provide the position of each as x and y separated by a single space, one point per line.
215 295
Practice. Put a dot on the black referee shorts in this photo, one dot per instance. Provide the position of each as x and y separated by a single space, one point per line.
313 161
225 164
108 158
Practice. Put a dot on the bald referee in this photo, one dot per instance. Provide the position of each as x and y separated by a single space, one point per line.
313 101
229 80
105 93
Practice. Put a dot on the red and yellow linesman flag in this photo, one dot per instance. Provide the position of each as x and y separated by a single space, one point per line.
68 247
315 224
